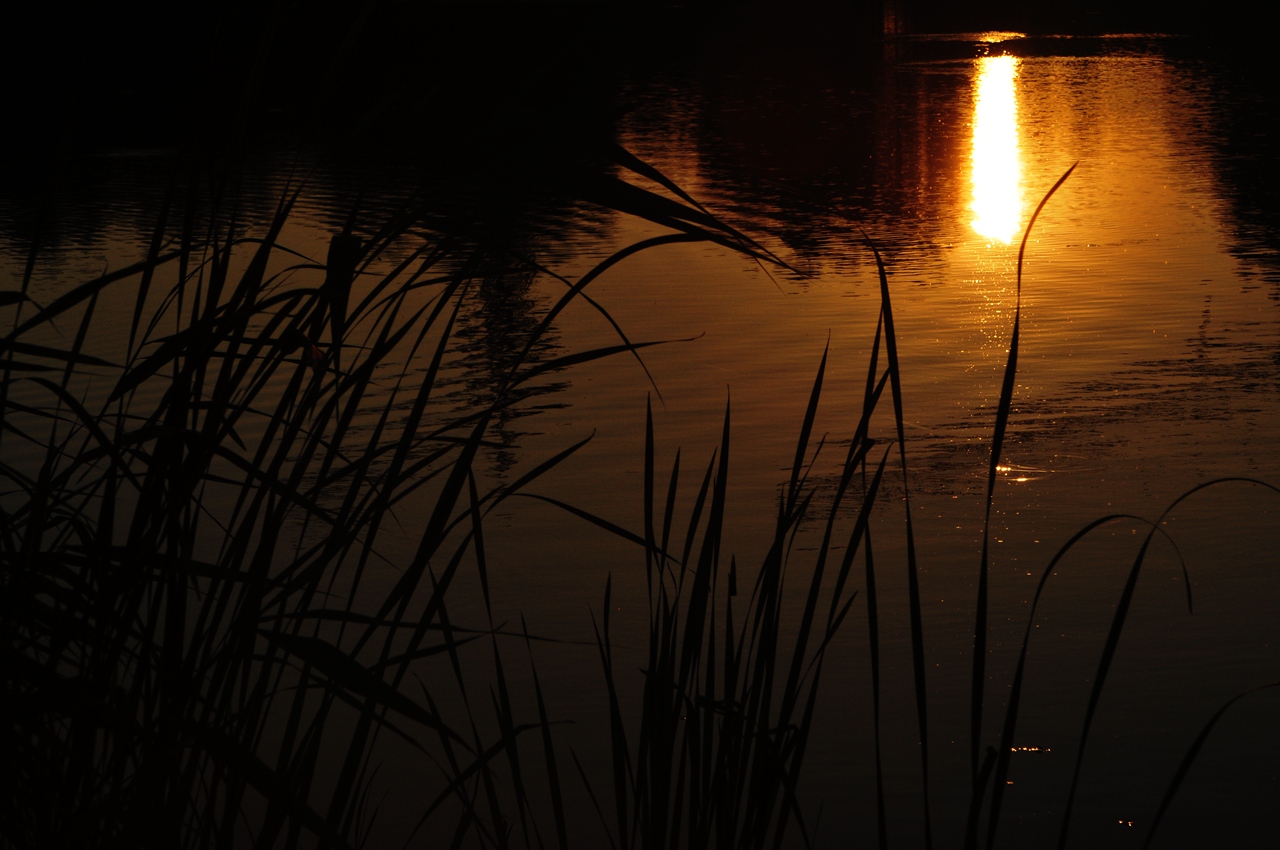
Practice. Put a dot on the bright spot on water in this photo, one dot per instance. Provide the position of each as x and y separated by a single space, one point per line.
996 171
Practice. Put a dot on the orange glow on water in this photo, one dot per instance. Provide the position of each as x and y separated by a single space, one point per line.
996 171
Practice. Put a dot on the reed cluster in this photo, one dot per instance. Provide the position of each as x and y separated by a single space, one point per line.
196 654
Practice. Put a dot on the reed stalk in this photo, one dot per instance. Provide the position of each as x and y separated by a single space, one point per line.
196 653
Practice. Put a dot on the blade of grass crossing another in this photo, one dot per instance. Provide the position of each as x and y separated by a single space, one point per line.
1117 629
1015 690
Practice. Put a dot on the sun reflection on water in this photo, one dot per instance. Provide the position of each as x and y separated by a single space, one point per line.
997 203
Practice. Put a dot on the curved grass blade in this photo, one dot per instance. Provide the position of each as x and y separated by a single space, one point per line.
599 269
978 685
1185 767
1015 693
1113 638
630 161
67 300
275 788
68 357
344 671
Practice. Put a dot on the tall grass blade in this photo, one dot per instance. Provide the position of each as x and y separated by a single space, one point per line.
978 687
548 750
913 577
153 253
79 294
873 644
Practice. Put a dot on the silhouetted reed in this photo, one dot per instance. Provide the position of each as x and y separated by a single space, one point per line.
714 757
195 653
189 623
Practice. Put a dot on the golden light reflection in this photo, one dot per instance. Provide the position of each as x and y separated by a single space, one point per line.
1023 473
997 202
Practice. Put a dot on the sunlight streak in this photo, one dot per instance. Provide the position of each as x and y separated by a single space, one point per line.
996 174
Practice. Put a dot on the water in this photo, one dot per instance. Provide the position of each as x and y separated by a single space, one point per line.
1149 332
1150 328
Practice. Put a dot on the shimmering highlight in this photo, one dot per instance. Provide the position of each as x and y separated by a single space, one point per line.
997 173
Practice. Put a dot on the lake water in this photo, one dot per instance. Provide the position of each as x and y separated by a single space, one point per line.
1149 363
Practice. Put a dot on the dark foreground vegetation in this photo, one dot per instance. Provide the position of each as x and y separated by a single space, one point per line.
201 644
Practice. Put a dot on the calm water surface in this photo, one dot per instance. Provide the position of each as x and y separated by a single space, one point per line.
1149 363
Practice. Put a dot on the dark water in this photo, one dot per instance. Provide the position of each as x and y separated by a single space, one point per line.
1150 363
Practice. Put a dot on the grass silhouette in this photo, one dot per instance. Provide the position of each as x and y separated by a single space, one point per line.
195 654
